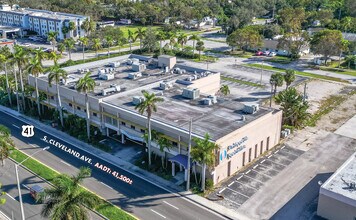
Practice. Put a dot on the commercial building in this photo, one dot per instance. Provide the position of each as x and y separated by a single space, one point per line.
337 196
242 132
41 21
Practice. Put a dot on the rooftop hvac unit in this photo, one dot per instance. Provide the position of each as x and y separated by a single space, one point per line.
114 64
101 71
137 100
251 109
108 76
165 85
134 75
70 79
179 71
191 93
213 98
137 67
206 101
113 88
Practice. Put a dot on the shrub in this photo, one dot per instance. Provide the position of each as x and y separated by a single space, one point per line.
209 184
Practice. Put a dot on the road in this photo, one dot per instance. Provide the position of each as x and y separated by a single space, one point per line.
12 206
141 198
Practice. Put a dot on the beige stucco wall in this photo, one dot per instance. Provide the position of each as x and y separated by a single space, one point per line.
167 61
331 208
259 130
208 85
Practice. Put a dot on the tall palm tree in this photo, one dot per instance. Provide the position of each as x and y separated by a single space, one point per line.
289 77
109 42
200 47
194 38
35 68
131 37
84 41
96 45
149 105
52 37
20 57
67 200
56 74
3 59
161 36
276 80
6 143
172 39
140 34
53 56
69 43
61 48
204 153
182 39
121 40
89 26
86 84
164 144
16 88
224 90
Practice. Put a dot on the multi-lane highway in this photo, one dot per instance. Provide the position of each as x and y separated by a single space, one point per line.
134 194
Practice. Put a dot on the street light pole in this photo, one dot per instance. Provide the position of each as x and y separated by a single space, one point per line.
18 180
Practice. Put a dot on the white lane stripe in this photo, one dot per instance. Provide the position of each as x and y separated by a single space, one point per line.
26 186
262 161
255 166
222 190
269 156
106 185
230 184
171 205
65 163
248 171
158 213
10 196
283 147
239 178
16 126
276 151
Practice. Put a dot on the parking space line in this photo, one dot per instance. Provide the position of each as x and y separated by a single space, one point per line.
238 193
283 147
10 196
26 186
278 164
248 171
222 190
291 153
262 161
276 151
269 156
171 205
254 179
229 200
158 213
262 174
244 184
230 184
239 178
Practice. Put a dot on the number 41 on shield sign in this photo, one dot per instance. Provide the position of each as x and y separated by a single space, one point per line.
28 130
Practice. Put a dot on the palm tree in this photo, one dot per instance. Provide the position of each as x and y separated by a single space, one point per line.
200 47
149 105
172 39
161 36
67 200
164 144
204 153
69 43
56 74
53 56
84 41
121 40
88 26
109 42
140 34
61 48
6 143
96 45
194 38
289 77
131 37
20 57
350 59
224 90
16 88
182 39
3 59
276 80
86 84
52 36
35 68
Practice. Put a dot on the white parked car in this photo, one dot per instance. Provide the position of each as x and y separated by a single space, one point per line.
272 54
266 53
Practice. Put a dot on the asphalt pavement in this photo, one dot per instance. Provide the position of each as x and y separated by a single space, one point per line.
132 193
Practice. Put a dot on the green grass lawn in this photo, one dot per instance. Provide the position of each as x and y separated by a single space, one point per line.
306 74
106 209
241 82
279 59
339 71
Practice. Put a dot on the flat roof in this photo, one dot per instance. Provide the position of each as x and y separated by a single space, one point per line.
44 13
340 181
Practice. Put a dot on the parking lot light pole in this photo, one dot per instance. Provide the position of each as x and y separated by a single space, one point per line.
18 180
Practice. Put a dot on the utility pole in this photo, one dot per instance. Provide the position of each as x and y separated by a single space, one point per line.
189 146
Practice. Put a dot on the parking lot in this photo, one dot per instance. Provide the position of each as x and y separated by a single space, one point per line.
240 187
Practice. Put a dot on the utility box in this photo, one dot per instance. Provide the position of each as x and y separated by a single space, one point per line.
191 93
137 100
138 67
167 61
251 109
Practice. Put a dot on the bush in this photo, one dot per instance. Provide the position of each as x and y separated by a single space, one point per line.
209 184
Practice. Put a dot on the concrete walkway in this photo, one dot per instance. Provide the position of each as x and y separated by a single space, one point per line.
348 129
158 181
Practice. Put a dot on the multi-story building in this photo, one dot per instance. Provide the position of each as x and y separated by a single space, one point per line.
42 21
242 132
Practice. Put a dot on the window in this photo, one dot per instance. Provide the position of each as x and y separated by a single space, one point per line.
142 130
133 127
52 97
78 107
95 114
175 144
267 144
123 123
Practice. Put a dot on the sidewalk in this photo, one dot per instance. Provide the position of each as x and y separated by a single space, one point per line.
156 180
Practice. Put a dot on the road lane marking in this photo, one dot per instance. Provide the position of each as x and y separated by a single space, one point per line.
16 126
10 196
106 185
222 190
269 156
26 186
158 213
65 163
276 151
230 184
248 171
262 161
171 205
255 166
283 147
